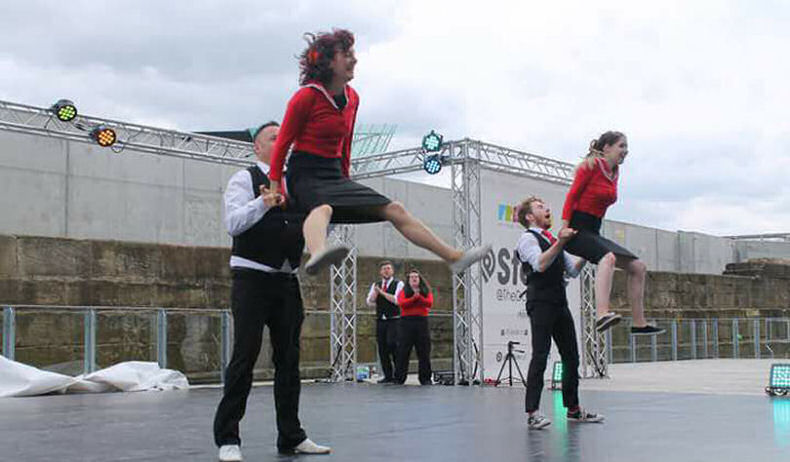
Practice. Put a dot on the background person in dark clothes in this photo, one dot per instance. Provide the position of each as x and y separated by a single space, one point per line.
267 249
546 265
415 301
383 295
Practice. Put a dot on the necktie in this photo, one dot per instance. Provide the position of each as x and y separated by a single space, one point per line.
548 235
384 285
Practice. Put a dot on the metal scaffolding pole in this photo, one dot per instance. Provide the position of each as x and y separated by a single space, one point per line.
594 347
465 158
343 307
41 121
467 295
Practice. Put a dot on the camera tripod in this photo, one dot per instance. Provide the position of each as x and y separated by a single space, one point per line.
510 360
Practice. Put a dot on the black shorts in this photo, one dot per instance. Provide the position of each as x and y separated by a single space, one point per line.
588 243
314 180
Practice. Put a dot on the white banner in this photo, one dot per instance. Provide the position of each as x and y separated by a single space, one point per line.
504 314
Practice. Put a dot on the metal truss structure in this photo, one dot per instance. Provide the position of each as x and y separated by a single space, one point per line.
594 351
343 307
466 159
371 139
775 237
41 121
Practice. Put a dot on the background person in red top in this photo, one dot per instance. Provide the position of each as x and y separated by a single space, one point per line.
319 126
593 190
415 301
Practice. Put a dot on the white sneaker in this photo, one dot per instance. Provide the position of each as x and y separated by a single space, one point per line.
330 255
230 453
470 257
536 421
309 447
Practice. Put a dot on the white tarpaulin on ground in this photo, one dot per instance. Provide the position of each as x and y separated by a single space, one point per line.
17 379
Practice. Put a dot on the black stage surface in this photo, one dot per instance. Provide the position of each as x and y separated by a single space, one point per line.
364 422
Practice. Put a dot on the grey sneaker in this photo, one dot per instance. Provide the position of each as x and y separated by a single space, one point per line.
536 421
469 258
330 255
583 416
607 321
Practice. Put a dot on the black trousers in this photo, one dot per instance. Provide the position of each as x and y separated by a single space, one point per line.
552 320
387 339
413 332
259 299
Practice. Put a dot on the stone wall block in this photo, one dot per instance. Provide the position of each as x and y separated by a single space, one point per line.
42 256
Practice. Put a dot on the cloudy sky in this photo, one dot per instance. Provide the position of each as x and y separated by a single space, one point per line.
700 87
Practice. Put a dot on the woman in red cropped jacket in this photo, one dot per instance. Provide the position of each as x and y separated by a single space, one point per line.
415 301
593 190
319 126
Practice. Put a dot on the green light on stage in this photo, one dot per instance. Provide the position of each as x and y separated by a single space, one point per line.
432 164
780 376
432 142
779 380
64 110
557 375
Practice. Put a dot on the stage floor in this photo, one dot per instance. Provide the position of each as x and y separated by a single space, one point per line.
365 422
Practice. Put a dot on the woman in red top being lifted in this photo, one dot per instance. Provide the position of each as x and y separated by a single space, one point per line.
593 190
319 126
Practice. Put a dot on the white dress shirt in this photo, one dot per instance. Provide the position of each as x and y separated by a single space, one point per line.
371 300
529 252
242 211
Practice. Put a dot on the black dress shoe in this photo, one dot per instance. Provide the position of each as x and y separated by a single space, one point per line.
385 380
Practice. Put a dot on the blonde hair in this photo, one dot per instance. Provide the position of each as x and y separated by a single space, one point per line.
596 149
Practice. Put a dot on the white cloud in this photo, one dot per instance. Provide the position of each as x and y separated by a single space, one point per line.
699 87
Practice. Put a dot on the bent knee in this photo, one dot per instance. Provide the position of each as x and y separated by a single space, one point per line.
396 207
638 267
323 209
608 259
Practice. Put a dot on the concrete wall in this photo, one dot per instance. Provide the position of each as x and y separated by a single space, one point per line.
686 252
54 272
57 188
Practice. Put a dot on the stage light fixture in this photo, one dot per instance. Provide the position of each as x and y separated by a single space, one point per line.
103 135
556 376
779 380
432 164
64 110
432 142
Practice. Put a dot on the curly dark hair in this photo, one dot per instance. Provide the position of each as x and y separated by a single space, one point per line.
425 288
321 48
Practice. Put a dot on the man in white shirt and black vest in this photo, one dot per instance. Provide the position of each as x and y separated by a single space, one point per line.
383 295
267 250
547 265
